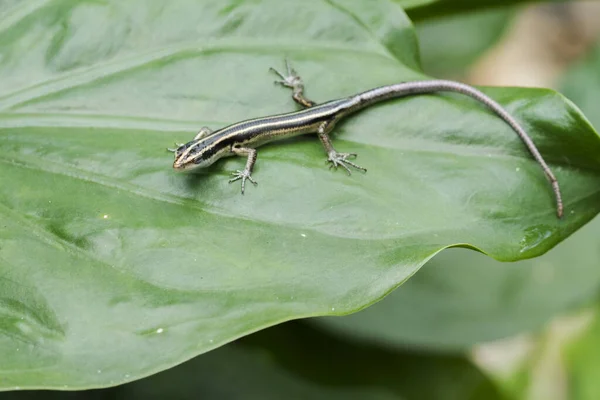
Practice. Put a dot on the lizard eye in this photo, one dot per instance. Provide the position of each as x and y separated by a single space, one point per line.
182 148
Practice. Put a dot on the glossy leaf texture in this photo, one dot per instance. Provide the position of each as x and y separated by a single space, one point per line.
113 266
293 361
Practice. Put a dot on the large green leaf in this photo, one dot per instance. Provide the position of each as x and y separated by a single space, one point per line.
112 266
293 362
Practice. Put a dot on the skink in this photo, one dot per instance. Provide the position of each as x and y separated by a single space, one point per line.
242 138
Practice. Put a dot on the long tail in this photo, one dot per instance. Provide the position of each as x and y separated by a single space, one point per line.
419 87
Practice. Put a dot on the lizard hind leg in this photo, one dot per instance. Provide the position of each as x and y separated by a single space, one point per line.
336 159
341 159
293 81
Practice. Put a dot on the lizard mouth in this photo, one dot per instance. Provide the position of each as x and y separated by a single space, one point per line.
179 165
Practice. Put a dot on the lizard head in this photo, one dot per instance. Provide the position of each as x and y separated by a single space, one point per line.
198 153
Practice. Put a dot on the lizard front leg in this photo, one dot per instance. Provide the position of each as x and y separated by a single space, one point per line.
247 172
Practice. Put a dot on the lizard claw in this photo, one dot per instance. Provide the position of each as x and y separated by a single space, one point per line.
341 160
243 175
291 80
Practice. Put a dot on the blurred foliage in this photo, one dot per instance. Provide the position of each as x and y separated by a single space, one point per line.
419 10
449 46
293 361
582 363
582 85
